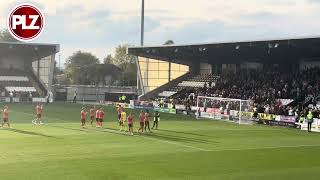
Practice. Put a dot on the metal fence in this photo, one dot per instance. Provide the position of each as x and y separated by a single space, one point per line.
90 93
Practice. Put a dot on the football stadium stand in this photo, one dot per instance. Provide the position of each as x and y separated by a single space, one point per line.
26 69
279 76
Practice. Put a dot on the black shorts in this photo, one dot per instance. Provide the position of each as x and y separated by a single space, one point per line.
119 116
92 117
100 120
83 120
141 124
130 125
97 119
38 115
5 120
146 123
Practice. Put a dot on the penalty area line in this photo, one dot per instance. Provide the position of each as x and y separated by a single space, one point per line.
177 144
262 148
164 141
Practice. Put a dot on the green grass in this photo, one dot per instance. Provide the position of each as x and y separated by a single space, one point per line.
183 148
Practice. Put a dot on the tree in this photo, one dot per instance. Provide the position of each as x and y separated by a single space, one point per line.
121 58
127 63
6 36
55 73
168 42
79 67
108 59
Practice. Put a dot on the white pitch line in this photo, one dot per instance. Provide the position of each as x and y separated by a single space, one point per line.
169 142
178 144
261 148
146 137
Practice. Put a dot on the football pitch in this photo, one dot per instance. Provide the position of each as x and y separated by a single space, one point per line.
182 148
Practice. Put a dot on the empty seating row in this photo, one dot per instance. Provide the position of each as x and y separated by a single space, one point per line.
20 89
191 84
204 78
11 72
196 81
13 78
16 83
167 93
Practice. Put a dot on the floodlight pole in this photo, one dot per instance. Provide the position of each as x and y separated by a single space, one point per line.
240 112
142 23
139 80
59 61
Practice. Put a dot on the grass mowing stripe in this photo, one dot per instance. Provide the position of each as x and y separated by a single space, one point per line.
117 132
236 152
184 145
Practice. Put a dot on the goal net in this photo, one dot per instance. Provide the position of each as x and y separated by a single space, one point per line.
233 110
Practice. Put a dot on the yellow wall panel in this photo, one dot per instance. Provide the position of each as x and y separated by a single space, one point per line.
156 72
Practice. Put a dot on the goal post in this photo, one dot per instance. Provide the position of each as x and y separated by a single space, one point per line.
228 109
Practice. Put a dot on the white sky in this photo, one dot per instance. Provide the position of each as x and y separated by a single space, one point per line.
98 26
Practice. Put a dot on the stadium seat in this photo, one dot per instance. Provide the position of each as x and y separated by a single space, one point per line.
15 80
20 89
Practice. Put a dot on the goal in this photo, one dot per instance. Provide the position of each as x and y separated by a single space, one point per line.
233 110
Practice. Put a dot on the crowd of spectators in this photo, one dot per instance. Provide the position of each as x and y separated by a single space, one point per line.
263 87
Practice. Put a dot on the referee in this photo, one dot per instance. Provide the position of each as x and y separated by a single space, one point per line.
156 120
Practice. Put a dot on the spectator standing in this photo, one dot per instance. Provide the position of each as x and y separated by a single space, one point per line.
11 96
30 97
75 97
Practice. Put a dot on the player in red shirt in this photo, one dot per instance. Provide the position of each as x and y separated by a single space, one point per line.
38 112
83 117
130 124
147 121
97 117
92 114
101 117
141 121
119 110
5 116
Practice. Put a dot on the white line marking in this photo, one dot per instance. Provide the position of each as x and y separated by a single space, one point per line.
178 144
261 148
169 142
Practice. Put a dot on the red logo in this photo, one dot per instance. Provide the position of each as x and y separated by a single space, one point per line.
25 22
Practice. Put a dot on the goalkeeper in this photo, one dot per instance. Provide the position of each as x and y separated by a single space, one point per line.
123 124
156 120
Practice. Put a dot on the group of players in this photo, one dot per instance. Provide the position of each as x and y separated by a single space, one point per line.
98 114
125 123
5 115
144 121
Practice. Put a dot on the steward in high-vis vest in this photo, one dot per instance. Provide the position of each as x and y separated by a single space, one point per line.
301 119
123 98
310 120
